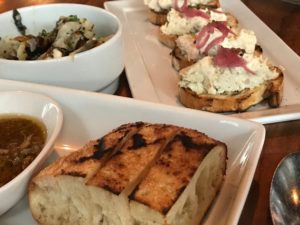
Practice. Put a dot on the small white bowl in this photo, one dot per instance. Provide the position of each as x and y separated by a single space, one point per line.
47 111
94 70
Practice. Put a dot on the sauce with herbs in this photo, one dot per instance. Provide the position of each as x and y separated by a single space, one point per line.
21 140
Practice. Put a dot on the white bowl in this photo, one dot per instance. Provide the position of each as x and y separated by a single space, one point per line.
47 111
92 70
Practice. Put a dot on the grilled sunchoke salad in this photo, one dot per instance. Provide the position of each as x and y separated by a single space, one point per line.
71 35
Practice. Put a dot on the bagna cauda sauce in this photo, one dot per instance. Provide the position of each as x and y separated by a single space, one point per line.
22 138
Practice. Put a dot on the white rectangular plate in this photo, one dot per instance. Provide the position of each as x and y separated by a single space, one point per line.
89 115
152 78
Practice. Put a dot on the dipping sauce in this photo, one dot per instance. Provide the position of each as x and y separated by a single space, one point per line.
21 140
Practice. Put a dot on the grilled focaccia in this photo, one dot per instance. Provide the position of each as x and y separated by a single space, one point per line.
135 171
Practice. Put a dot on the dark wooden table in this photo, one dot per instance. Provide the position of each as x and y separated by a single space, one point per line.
281 138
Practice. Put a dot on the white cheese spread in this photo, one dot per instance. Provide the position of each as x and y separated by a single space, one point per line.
200 2
161 5
186 44
217 16
205 78
246 40
178 24
153 4
167 4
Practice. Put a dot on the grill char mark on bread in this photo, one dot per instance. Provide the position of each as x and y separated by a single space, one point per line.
73 173
110 143
138 141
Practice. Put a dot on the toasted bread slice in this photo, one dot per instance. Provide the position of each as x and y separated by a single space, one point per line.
176 189
272 90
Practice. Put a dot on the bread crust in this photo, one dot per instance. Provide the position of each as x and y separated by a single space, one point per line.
179 61
271 90
232 22
213 4
168 40
157 18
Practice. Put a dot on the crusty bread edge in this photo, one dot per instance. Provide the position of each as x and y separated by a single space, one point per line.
168 40
179 61
203 203
157 18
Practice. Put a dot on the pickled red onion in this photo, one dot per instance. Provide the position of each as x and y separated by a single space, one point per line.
190 12
230 58
203 36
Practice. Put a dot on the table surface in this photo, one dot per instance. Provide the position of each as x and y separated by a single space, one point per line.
281 138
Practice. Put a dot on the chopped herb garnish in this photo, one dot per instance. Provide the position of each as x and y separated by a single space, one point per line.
43 33
73 18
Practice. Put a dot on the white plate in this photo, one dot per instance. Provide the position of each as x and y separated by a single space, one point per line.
152 78
89 115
